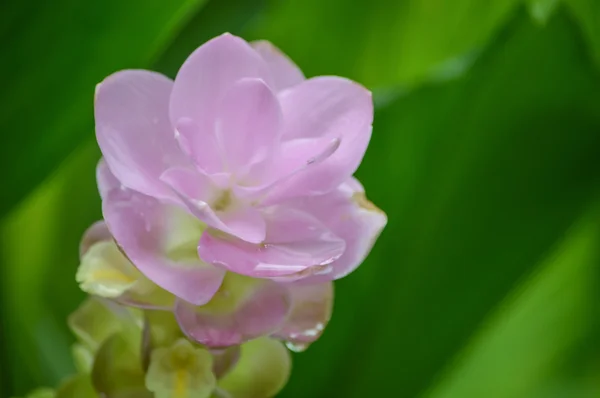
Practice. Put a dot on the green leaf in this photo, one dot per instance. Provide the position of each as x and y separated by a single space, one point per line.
587 13
521 350
480 178
42 393
58 52
542 10
379 42
217 17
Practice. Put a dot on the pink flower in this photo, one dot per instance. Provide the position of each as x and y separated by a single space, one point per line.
241 165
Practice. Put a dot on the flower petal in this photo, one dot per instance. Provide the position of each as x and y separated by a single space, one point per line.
296 245
97 232
326 107
104 271
134 131
105 179
262 371
285 73
200 194
210 71
312 306
93 322
200 145
243 309
248 124
350 215
293 158
161 241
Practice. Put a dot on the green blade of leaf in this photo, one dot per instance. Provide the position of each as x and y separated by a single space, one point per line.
54 55
541 10
587 13
379 42
529 339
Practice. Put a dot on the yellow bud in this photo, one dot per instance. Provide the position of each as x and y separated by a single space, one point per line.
104 271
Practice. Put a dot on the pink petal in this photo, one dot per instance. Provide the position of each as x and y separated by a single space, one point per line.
285 73
145 230
348 213
312 306
294 158
248 124
326 108
105 179
97 232
243 309
199 193
200 145
208 73
296 246
133 129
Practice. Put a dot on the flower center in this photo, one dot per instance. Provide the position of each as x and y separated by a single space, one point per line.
223 201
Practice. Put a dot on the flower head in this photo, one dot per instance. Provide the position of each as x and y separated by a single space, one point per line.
229 193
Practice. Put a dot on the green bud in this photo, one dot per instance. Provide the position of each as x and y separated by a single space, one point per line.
83 357
118 366
78 386
164 329
181 371
261 372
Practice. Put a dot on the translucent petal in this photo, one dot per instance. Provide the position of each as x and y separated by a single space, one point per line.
243 309
312 306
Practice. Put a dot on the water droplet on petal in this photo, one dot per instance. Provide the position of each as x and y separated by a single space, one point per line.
296 347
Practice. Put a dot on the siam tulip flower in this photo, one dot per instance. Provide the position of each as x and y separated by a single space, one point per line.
228 195
229 208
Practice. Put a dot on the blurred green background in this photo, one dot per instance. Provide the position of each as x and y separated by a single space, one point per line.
485 156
